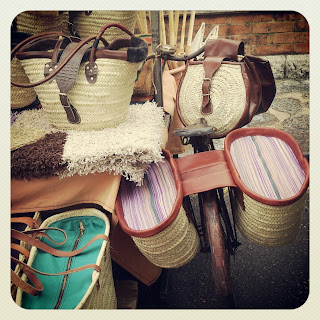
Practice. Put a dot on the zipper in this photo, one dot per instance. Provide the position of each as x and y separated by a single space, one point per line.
81 228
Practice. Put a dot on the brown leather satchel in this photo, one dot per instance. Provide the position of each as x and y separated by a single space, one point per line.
227 88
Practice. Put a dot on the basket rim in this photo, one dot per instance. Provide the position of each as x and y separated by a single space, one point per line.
269 132
164 224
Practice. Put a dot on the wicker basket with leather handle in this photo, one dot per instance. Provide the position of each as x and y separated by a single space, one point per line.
272 176
154 217
92 88
66 276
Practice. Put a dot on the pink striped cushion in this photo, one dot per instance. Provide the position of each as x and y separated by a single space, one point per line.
147 206
267 166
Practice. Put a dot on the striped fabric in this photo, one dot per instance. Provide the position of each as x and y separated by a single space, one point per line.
147 206
267 166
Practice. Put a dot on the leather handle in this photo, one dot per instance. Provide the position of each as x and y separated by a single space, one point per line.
99 36
56 70
58 253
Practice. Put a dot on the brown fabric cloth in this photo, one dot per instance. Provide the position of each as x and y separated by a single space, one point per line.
40 159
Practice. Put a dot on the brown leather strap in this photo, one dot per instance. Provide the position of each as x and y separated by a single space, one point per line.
56 70
66 78
210 65
32 223
58 253
204 171
31 274
33 290
21 249
215 51
40 233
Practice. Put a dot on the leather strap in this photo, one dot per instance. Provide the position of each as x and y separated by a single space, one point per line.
210 65
32 223
21 249
33 290
204 171
215 51
31 274
58 253
66 78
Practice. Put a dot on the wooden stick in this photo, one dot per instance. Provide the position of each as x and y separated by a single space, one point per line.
163 33
139 23
180 49
162 28
190 33
176 26
171 27
183 29
143 17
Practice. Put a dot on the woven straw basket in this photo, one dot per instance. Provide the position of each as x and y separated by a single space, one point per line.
100 293
101 105
227 93
89 23
20 97
85 95
39 21
153 216
272 176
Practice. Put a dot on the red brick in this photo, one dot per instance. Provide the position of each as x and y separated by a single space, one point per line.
270 27
261 17
241 18
272 49
290 37
211 19
301 25
287 16
301 47
253 39
236 29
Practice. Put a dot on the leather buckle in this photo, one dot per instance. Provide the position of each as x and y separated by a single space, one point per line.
72 113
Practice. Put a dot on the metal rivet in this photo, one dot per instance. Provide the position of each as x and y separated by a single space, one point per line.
47 66
50 69
91 70
91 78
95 66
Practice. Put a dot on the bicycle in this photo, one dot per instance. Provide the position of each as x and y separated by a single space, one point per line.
216 232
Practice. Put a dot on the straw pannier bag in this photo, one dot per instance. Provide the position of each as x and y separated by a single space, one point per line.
86 23
92 87
83 289
152 214
272 176
20 97
39 21
226 89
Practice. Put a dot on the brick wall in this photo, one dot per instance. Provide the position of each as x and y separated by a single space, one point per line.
264 33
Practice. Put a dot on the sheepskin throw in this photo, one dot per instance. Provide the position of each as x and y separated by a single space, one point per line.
128 149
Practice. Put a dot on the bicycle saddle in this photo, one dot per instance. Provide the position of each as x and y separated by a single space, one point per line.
200 128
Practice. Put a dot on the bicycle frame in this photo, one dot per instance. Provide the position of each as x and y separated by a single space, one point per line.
212 206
